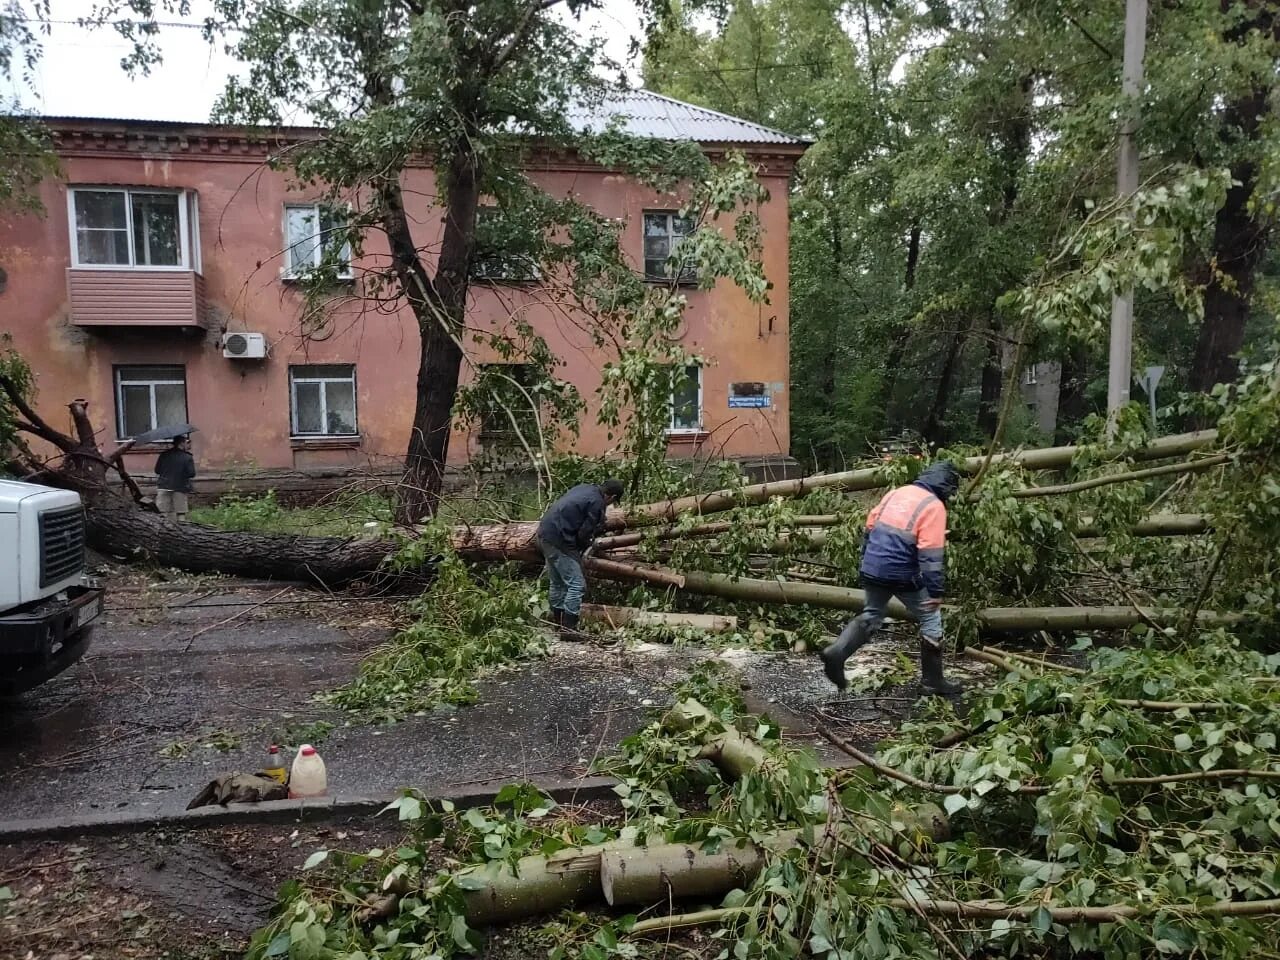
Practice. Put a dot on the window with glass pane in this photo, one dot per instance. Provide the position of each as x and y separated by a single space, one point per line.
502 254
663 233
149 397
157 230
316 237
102 227
686 399
509 404
324 400
130 228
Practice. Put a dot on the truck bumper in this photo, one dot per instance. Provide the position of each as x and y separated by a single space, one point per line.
41 641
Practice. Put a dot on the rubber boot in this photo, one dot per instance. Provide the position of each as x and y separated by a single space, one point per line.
853 636
569 628
931 678
556 617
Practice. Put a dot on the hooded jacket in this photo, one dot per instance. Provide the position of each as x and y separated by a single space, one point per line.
576 519
907 534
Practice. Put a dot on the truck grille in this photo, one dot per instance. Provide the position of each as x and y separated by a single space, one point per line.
61 544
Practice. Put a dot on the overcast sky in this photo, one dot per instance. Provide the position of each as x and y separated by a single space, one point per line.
79 72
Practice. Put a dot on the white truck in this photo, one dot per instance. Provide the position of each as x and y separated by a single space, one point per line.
47 605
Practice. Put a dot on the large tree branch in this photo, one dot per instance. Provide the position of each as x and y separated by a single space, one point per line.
84 429
520 33
34 424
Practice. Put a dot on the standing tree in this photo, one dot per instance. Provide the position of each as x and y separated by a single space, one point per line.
468 86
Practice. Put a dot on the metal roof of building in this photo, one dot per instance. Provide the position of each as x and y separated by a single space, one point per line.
647 114
642 113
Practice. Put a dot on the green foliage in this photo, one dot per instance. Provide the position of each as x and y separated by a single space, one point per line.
959 193
341 515
466 624
16 371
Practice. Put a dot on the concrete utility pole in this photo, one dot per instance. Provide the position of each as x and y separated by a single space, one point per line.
1135 45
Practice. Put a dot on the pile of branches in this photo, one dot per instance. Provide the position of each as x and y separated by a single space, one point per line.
1071 813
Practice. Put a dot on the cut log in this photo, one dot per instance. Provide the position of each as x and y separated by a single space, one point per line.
535 885
870 478
660 873
525 890
729 750
631 616
646 876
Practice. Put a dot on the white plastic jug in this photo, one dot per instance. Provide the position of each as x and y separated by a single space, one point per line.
307 778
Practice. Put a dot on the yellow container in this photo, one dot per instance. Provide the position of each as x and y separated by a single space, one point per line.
275 768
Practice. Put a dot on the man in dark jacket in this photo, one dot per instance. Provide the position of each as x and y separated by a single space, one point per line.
175 469
566 530
902 557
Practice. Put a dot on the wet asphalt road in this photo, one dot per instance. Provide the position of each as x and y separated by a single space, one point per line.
135 726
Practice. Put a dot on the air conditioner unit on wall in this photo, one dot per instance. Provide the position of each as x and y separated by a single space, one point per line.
244 346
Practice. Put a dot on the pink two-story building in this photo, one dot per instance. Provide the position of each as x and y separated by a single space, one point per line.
159 284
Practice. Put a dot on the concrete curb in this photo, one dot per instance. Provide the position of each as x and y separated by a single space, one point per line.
281 811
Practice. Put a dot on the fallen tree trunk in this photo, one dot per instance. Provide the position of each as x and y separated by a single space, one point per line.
636 537
117 528
1191 466
1160 525
991 910
120 529
870 478
992 619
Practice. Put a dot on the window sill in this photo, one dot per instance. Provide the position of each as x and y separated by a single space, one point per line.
690 283
132 268
325 443
505 281
294 281
688 436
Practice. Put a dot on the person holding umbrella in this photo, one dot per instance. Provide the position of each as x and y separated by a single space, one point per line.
175 469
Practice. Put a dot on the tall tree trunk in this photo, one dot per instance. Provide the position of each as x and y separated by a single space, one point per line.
439 312
933 430
1239 244
992 381
1071 405
1239 240
901 336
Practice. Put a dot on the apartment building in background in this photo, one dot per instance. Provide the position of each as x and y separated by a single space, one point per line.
160 284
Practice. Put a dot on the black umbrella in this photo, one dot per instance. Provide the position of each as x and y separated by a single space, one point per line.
160 434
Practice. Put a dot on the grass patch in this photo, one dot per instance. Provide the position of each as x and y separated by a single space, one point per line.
348 516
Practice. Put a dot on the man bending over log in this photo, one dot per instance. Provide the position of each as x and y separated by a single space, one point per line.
566 530
902 557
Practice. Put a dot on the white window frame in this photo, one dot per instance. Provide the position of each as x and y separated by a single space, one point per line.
1029 375
188 228
686 277
118 374
294 380
346 272
672 429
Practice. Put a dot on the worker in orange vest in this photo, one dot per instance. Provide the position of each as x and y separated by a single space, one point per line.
903 557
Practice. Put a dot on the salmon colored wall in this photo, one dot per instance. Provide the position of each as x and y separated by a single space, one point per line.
242 407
